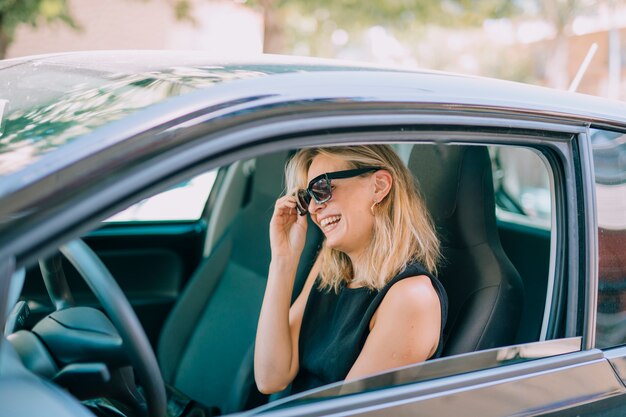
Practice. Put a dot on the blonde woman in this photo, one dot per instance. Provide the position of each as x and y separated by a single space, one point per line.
371 301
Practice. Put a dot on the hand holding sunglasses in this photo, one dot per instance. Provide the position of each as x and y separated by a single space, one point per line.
320 189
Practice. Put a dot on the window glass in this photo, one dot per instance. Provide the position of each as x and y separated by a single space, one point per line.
183 202
521 185
609 157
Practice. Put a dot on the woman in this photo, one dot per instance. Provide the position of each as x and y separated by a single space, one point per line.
371 301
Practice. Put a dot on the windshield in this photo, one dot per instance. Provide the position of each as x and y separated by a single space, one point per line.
44 105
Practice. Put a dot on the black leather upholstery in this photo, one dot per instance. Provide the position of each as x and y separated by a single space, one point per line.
205 346
485 291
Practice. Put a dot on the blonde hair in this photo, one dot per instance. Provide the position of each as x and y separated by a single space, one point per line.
403 229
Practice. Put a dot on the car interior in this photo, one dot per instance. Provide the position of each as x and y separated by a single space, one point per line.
197 286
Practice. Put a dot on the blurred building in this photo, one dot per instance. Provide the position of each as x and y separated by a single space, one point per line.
219 27
608 66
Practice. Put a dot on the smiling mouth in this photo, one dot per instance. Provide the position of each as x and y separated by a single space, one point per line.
329 223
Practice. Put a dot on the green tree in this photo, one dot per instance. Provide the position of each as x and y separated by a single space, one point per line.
13 13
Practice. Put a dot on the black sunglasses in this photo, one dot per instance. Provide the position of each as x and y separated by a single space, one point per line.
320 190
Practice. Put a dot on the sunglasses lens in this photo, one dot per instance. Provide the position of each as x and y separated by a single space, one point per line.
302 202
321 190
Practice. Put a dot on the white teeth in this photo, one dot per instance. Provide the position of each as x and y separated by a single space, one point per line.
329 220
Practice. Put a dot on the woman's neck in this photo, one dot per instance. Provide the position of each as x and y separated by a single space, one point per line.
357 272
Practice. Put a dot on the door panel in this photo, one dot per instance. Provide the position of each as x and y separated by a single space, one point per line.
612 406
617 358
518 395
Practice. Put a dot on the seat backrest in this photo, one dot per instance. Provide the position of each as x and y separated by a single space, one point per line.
212 327
485 292
228 198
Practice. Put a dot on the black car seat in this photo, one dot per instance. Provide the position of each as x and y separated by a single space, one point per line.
208 337
484 289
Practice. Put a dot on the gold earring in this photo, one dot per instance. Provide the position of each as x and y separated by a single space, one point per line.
372 208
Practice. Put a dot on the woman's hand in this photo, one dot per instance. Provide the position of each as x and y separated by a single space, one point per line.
276 347
287 229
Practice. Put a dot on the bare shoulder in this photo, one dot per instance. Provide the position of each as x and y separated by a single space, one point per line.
411 307
411 295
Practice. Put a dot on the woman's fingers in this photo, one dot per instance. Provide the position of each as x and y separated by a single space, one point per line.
287 233
285 205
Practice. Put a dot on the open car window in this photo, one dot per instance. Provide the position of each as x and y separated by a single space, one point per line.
525 197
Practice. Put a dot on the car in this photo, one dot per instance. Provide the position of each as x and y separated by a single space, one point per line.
136 189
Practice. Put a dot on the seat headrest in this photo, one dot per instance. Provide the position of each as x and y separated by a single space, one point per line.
457 185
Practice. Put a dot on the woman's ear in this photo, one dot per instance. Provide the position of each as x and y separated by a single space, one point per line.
382 184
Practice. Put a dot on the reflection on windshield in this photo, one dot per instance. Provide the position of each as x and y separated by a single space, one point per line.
47 123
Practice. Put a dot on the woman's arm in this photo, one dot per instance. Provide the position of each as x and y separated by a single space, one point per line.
275 361
276 347
404 330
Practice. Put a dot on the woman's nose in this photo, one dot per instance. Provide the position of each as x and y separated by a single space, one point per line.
314 206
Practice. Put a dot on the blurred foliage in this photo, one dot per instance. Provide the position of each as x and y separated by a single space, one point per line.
561 13
287 16
396 12
182 9
33 12
288 22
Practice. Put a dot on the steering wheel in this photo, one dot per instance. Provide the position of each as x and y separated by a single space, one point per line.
116 305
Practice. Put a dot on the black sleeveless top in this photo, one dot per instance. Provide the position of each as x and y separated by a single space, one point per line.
336 325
